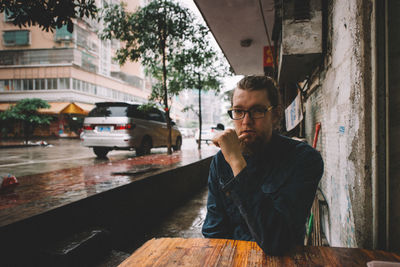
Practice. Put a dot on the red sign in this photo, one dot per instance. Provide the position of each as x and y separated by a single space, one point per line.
268 56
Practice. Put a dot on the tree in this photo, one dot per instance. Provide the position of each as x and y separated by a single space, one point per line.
154 34
203 68
48 14
25 111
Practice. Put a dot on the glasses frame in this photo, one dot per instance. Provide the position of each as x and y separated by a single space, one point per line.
267 109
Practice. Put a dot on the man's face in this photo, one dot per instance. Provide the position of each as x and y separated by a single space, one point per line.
253 133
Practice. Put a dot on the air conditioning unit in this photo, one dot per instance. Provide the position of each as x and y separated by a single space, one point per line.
300 50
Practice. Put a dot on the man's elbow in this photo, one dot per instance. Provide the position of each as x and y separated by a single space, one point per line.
278 244
276 249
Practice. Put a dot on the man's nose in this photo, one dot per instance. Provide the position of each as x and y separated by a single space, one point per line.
247 119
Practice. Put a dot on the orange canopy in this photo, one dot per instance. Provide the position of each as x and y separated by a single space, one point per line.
59 108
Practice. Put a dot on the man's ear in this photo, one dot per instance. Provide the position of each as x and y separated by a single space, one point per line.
277 113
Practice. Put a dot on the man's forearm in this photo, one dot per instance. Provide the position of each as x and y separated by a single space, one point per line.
267 225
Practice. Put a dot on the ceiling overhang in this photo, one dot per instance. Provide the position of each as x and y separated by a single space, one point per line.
232 21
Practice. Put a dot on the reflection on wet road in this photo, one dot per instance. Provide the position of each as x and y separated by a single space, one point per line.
41 192
62 154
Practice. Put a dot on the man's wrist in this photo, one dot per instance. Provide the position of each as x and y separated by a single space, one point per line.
238 165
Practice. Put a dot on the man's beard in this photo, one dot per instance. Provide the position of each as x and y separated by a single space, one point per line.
253 147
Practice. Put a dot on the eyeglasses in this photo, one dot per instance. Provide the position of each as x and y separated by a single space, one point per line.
254 113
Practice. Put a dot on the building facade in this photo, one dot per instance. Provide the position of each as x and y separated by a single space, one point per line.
66 68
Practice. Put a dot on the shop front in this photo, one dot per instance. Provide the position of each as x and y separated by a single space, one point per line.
67 120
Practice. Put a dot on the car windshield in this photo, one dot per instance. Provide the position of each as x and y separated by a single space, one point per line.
109 111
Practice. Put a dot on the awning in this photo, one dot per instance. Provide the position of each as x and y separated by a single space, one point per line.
55 108
59 108
241 28
85 107
68 108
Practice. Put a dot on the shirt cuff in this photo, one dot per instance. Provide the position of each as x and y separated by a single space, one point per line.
234 181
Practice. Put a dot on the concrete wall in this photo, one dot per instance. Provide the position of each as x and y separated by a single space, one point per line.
341 103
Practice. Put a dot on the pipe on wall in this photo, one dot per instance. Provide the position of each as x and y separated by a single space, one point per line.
374 130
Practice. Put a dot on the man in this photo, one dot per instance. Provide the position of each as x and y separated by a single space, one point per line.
261 184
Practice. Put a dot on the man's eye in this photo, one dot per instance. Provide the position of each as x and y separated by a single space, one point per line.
238 111
257 110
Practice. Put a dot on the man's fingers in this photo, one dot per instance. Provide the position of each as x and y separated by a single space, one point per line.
215 139
241 136
215 142
226 136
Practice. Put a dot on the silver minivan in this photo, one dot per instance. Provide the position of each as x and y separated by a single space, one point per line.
123 126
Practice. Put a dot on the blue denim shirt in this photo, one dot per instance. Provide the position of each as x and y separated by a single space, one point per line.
269 200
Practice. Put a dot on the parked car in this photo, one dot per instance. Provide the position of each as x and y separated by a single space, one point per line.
208 132
187 132
123 126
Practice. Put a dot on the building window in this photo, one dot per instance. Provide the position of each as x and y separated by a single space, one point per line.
62 34
11 38
40 84
17 85
52 83
64 83
5 85
7 15
27 84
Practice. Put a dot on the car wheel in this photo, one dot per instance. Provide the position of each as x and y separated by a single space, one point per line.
101 152
178 144
145 147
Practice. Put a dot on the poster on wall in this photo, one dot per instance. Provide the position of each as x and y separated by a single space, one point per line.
294 113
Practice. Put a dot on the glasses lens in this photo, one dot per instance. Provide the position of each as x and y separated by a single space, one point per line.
237 114
257 113
230 113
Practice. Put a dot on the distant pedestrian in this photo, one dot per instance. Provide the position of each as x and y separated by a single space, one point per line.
261 184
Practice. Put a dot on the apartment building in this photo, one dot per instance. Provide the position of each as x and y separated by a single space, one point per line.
71 71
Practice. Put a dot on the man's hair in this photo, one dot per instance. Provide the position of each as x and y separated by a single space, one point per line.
259 82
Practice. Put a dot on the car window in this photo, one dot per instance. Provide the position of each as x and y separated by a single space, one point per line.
135 112
109 111
156 115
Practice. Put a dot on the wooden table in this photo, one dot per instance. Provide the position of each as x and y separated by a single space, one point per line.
222 252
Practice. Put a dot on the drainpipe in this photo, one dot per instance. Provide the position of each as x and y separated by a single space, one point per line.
374 130
387 133
380 83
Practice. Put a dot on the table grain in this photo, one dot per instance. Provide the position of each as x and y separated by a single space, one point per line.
224 252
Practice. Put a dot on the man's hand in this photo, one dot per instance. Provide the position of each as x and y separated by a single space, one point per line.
229 143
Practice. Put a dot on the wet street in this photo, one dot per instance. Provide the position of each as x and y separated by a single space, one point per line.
64 172
63 154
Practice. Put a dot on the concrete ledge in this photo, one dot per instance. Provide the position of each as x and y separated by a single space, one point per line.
126 212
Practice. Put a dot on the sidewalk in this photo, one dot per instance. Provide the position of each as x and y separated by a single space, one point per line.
18 143
13 144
